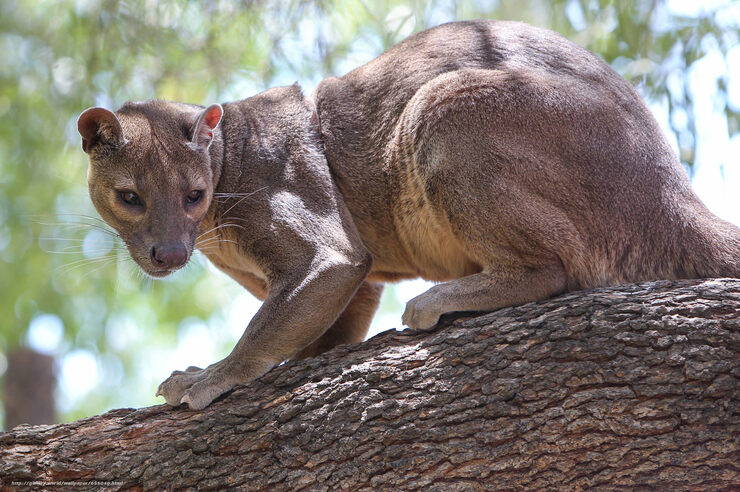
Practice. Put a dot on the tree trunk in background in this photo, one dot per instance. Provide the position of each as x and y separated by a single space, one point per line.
631 387
28 390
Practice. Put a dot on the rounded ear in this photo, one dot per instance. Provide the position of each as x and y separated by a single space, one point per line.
206 123
98 126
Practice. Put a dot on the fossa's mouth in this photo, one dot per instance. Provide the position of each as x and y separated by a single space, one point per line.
150 267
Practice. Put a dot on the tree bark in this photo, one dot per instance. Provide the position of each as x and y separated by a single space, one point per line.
631 387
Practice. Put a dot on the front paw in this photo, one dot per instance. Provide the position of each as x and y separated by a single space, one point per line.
199 387
422 312
196 387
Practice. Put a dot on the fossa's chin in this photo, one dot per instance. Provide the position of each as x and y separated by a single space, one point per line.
160 273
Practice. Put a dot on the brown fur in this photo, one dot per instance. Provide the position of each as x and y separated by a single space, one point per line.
494 156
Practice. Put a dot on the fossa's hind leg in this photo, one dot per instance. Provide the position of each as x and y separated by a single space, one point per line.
507 197
352 324
507 286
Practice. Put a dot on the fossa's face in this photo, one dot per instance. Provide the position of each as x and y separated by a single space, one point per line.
150 178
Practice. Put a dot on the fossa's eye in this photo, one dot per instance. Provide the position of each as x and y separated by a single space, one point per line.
194 196
130 198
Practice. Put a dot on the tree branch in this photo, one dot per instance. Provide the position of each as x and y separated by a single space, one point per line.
626 387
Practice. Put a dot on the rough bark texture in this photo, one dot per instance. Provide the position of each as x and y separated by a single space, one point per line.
28 389
633 387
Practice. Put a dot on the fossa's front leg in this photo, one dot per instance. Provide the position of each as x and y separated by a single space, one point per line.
352 324
296 312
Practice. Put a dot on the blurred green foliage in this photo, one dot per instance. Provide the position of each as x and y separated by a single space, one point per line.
59 57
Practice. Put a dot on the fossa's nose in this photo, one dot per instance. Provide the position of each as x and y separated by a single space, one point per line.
169 255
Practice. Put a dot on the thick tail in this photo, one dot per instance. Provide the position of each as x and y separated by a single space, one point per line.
716 252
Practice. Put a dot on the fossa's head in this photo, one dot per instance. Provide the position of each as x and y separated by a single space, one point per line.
150 176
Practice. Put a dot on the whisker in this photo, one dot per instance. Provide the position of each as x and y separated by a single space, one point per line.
209 239
139 274
224 224
69 251
38 218
240 219
83 260
41 219
220 226
214 240
77 246
211 246
61 239
242 199
67 269
209 249
236 195
90 217
90 272
217 245
206 232
81 226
